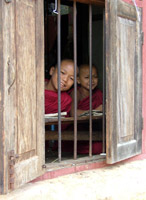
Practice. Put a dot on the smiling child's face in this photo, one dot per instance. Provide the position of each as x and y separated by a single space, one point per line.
84 77
66 76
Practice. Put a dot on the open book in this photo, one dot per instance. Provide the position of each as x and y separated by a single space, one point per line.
94 113
55 115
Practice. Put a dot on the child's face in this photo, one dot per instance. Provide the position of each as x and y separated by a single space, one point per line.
84 77
66 76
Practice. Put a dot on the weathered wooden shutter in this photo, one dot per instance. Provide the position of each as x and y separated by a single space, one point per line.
123 81
22 92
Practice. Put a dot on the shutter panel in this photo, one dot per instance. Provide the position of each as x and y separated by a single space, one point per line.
23 115
30 90
1 107
123 81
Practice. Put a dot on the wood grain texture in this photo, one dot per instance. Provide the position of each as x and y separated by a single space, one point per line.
70 120
30 90
1 106
126 43
123 82
39 24
26 76
126 11
94 2
9 85
69 135
21 90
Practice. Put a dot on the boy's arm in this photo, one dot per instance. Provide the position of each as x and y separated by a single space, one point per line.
79 112
100 99
72 104
99 108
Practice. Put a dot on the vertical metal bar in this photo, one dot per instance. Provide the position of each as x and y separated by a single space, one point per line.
59 90
75 77
90 64
104 88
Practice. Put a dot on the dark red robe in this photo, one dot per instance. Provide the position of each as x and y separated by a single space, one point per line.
51 102
51 106
83 146
96 101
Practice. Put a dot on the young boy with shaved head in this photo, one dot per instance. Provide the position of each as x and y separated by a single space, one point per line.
51 87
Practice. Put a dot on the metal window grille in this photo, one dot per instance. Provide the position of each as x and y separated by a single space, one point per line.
75 80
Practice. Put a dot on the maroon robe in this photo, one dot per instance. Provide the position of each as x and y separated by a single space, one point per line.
51 102
51 106
96 101
83 146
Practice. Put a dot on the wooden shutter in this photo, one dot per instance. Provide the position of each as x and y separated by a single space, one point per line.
123 81
1 107
23 92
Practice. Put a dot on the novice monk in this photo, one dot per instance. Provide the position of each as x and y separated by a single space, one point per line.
51 88
83 103
51 92
83 91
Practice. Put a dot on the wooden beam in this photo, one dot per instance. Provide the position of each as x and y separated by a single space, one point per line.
95 2
69 135
70 120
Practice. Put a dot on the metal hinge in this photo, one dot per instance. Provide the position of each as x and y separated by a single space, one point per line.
44 166
11 162
142 38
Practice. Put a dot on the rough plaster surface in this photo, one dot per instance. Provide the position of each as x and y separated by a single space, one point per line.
119 182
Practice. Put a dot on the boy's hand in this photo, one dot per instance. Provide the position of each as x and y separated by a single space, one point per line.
99 108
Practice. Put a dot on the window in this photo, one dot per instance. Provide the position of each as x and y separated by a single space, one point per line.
81 40
120 79
22 81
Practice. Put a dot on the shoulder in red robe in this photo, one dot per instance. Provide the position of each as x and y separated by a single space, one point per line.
51 102
96 101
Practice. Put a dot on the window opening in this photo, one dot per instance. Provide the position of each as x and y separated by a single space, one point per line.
76 33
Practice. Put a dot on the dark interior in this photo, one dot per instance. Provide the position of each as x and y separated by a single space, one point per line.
50 21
